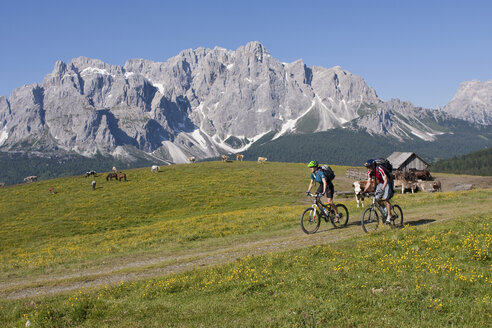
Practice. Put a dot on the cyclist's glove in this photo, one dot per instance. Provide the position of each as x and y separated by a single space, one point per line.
307 193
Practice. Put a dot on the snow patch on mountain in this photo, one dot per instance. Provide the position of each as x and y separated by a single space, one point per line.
289 125
3 136
95 70
177 155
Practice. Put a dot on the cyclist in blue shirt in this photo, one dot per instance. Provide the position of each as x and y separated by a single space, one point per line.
325 185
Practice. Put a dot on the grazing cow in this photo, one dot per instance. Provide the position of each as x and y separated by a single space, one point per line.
31 178
429 186
420 174
239 157
399 175
89 173
155 168
262 159
51 190
437 185
121 176
2 184
224 158
191 159
359 189
111 176
93 185
404 185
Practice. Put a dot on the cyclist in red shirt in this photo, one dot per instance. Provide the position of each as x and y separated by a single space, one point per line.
384 188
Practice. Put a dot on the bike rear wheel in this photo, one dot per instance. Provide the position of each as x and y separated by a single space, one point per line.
397 216
370 220
310 220
344 216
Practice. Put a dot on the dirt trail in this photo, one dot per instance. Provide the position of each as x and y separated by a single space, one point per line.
165 265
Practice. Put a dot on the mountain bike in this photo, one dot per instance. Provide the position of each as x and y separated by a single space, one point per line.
311 217
371 219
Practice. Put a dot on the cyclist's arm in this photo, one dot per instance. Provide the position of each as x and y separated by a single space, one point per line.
385 179
368 182
310 186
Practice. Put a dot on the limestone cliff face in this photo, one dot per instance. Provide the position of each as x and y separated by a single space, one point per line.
472 102
200 103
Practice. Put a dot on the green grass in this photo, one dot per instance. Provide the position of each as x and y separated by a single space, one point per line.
421 276
150 212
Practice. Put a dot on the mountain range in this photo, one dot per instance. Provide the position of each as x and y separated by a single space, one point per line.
207 102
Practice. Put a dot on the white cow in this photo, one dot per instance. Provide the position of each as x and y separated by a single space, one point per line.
262 159
155 168
359 189
31 178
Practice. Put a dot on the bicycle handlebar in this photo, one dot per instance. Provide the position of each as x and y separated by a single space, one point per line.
371 194
314 195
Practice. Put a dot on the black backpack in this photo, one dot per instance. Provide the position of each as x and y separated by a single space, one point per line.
329 174
385 164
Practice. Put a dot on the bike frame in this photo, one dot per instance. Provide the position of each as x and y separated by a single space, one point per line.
318 206
376 204
326 212
395 212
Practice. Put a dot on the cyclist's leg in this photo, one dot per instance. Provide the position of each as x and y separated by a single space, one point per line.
330 190
388 194
381 199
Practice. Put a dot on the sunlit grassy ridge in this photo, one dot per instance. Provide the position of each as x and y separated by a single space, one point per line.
149 212
428 275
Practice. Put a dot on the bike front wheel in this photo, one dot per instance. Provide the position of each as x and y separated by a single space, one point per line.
310 220
397 216
370 220
343 219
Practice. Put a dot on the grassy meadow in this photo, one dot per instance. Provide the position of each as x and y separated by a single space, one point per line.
240 222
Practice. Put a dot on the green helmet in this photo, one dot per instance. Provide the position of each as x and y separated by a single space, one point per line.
313 164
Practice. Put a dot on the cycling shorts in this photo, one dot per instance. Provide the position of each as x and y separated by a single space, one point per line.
387 194
330 190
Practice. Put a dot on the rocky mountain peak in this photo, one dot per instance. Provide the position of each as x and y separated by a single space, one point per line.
472 102
201 102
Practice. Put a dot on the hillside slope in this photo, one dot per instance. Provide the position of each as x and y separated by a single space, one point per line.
110 255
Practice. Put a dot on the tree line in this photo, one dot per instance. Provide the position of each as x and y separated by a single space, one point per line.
476 163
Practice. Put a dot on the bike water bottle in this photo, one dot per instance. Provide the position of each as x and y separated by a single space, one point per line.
325 211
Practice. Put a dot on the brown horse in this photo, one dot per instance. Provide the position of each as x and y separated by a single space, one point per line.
121 176
111 176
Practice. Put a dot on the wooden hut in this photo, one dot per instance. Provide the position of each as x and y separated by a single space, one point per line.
404 161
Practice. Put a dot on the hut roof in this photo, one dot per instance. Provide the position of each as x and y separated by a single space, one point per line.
397 159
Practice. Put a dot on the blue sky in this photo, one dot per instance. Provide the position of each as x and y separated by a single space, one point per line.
419 51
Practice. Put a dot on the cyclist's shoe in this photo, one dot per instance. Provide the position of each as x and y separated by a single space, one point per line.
388 221
337 218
